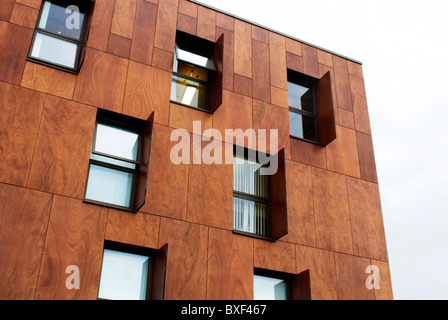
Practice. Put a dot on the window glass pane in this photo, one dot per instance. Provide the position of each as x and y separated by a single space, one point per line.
188 92
116 142
54 50
109 186
54 18
302 126
250 216
247 178
300 97
295 124
266 288
124 276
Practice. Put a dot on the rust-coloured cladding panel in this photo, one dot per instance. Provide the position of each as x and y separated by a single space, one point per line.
6 7
13 57
277 256
261 75
243 49
331 208
21 111
144 32
48 80
75 236
167 193
123 18
186 274
301 227
277 50
61 156
321 263
147 91
101 24
23 224
230 266
139 229
165 36
369 238
101 81
351 277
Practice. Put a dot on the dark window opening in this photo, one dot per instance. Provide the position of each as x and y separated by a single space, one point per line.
197 72
61 32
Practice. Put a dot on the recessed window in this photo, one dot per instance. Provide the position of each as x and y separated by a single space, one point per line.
120 150
302 111
250 197
61 32
276 285
259 194
311 114
197 72
128 272
272 285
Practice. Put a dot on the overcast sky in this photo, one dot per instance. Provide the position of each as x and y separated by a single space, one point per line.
403 45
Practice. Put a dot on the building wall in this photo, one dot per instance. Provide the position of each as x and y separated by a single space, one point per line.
46 127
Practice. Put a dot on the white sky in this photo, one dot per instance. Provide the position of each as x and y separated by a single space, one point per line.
403 45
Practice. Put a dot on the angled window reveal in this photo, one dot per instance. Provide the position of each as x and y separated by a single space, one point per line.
61 32
119 160
311 111
275 285
197 72
132 273
259 200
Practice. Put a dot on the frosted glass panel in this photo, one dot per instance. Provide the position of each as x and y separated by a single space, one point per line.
266 288
109 186
249 216
247 178
54 50
116 142
124 276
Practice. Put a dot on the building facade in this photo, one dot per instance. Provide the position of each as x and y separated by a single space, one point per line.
93 168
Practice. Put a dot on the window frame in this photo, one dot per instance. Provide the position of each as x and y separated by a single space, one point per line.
155 287
81 43
249 155
205 83
287 277
126 123
206 48
309 83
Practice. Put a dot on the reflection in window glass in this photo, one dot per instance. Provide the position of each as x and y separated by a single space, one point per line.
109 186
54 18
124 276
302 126
188 92
300 97
54 50
116 142
266 288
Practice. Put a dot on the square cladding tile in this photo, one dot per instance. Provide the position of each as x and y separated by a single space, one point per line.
101 81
